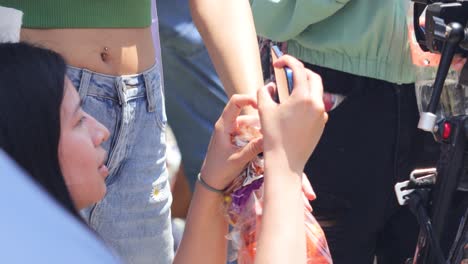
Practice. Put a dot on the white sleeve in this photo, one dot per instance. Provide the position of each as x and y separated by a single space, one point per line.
10 24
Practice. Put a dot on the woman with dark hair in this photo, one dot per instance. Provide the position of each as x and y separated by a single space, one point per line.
44 129
113 56
112 61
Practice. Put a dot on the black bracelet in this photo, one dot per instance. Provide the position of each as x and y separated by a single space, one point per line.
207 186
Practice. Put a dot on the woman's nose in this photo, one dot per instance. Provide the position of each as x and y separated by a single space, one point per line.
100 132
105 132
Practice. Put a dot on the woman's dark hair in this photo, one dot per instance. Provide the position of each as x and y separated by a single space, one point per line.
32 83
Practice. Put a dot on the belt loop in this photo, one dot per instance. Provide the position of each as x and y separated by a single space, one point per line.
149 88
120 87
84 83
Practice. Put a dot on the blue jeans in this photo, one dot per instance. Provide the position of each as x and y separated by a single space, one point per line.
132 108
194 94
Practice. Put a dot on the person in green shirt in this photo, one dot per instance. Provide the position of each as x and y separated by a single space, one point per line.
371 140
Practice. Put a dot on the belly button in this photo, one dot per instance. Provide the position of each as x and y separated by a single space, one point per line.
105 54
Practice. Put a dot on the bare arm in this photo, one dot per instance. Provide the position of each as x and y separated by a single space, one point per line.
204 236
228 31
204 240
282 236
287 144
291 130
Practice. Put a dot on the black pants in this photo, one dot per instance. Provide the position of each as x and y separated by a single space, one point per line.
370 142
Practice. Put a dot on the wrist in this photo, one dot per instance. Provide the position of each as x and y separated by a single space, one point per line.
212 177
282 179
277 159
208 186
211 202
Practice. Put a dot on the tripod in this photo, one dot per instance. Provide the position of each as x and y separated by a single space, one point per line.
438 196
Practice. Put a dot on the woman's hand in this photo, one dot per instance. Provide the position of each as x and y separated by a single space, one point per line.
293 128
224 161
308 192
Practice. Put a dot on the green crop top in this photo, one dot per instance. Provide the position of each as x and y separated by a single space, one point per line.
83 13
362 37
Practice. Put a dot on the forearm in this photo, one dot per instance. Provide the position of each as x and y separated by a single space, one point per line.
282 236
228 31
204 236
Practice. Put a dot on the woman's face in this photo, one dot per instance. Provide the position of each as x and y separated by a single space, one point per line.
81 156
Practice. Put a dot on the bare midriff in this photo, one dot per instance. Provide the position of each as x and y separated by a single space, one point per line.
112 51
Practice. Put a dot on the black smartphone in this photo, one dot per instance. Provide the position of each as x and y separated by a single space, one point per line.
283 76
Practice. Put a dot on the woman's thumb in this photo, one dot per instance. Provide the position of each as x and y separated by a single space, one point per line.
251 150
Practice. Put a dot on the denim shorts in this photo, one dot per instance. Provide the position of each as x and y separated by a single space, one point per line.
132 108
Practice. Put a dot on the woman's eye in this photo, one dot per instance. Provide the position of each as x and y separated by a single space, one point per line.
81 121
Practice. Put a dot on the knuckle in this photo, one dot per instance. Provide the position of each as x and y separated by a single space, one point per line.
315 76
320 109
324 120
236 97
315 105
325 117
252 152
259 93
257 148
307 101
300 64
218 125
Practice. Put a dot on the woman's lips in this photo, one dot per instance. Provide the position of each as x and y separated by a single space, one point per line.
103 170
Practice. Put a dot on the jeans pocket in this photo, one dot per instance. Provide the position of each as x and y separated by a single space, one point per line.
157 88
